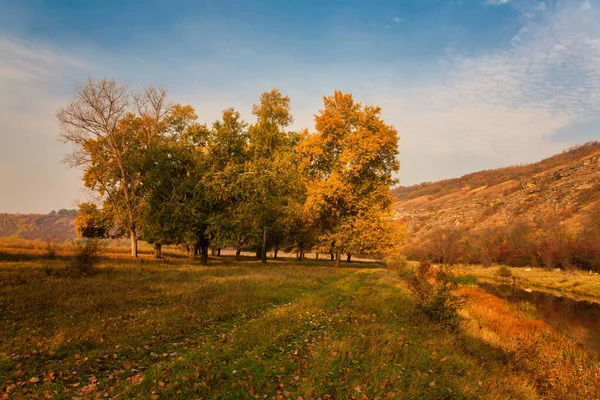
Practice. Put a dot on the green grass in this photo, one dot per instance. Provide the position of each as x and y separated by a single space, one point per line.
236 330
466 279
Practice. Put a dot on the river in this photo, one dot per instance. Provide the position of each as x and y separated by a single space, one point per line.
578 319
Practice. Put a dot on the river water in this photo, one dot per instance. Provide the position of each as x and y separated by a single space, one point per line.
578 319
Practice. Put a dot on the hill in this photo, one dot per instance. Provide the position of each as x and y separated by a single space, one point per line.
560 192
56 226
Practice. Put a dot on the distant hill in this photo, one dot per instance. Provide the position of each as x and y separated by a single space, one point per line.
494 177
564 188
56 226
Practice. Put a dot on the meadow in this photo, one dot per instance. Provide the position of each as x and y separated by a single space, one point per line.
168 329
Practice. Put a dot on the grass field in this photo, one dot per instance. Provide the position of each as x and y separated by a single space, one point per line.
242 330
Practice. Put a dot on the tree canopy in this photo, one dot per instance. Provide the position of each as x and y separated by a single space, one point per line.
162 176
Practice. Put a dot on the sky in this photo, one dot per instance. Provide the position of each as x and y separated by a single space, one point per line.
468 84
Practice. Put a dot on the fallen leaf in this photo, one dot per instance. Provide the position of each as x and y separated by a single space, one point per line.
35 379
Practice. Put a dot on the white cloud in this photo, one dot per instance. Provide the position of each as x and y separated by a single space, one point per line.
497 2
586 5
32 82
474 111
505 105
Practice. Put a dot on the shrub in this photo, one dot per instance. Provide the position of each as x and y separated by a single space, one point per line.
433 288
466 280
50 249
504 272
396 263
86 254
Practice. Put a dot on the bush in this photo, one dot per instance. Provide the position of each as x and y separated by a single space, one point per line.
50 249
433 288
396 263
504 272
86 254
465 280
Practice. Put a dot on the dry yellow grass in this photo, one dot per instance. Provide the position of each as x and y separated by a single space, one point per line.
236 330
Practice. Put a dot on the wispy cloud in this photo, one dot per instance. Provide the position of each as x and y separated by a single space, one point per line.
466 112
506 105
32 77
497 2
25 61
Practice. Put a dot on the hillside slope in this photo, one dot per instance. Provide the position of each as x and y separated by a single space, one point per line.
38 226
563 188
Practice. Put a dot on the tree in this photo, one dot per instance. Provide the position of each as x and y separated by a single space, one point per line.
110 129
348 163
169 165
445 243
267 173
227 154
91 222
376 233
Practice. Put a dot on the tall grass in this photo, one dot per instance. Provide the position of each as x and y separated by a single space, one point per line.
237 330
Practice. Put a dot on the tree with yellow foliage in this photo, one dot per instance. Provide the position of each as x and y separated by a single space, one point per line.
348 165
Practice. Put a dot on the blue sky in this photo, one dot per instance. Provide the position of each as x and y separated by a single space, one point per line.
469 84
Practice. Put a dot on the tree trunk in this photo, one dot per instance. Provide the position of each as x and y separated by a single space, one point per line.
238 252
275 251
204 255
263 258
157 250
258 255
337 259
134 240
219 252
301 255
332 256
316 256
348 257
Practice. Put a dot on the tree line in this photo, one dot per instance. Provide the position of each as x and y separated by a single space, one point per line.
548 242
166 178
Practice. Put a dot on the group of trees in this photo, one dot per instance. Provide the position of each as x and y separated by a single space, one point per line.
164 177
64 211
548 243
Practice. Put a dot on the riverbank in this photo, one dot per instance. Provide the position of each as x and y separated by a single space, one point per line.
577 284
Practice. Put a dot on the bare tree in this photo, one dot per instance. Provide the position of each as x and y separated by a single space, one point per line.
108 127
445 243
